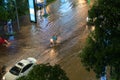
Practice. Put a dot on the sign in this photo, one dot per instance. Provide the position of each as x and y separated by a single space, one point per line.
32 10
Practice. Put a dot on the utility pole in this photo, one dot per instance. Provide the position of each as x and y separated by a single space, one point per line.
17 15
44 7
45 2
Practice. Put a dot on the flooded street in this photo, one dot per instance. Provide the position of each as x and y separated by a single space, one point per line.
67 19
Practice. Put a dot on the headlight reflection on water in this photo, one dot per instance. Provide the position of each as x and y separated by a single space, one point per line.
3 78
53 56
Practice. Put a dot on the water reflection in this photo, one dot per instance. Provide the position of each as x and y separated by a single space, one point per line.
42 21
11 38
40 1
53 56
13 48
45 22
33 29
65 6
81 1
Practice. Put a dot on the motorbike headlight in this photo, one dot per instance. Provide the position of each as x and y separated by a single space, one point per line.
3 78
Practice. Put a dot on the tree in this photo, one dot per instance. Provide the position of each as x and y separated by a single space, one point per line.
11 9
7 10
103 44
45 72
22 6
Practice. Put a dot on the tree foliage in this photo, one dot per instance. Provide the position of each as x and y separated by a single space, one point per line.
4 14
8 9
22 6
103 44
45 72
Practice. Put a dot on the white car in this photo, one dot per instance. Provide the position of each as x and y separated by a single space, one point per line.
21 68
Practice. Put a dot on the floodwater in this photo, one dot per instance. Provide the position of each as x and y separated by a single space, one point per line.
67 19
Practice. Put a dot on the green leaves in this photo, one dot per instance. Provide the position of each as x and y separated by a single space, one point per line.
102 46
45 72
22 6
8 10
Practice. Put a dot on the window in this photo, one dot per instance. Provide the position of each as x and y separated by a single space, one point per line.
27 67
15 70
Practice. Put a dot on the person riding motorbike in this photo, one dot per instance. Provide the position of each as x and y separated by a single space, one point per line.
53 40
4 42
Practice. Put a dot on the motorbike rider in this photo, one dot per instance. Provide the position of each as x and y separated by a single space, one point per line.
4 42
53 40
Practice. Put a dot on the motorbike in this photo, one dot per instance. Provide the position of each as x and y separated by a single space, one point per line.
4 42
53 42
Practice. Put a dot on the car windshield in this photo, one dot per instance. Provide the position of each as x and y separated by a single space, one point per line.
15 70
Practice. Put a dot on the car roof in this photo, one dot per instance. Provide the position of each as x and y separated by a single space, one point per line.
22 63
